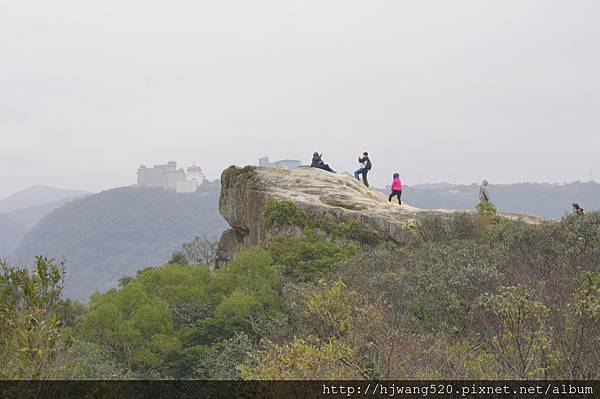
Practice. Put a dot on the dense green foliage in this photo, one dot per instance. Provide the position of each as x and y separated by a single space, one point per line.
469 297
309 256
486 208
496 303
32 342
281 216
172 320
105 236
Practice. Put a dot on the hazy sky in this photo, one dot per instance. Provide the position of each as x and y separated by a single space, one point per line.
436 90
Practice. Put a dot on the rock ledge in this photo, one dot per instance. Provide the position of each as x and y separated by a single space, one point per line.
335 196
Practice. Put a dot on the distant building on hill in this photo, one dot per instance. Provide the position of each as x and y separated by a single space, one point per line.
168 177
284 163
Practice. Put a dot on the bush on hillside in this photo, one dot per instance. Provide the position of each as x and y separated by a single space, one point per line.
309 256
486 208
280 214
33 344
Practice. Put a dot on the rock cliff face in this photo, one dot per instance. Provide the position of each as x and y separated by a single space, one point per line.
336 196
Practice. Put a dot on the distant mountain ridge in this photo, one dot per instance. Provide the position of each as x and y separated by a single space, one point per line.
29 217
21 211
114 233
36 196
544 200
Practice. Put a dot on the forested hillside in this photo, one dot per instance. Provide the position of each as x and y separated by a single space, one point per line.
21 211
470 297
11 234
30 216
117 232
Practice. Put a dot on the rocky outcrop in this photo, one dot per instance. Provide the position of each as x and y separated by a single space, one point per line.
334 196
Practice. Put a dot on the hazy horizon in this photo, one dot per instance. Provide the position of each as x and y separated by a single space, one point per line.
438 91
381 187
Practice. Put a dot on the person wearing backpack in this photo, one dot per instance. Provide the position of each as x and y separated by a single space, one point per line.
364 169
577 210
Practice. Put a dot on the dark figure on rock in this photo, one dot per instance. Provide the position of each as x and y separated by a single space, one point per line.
317 162
365 167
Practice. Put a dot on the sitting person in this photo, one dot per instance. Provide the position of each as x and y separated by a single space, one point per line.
577 210
317 162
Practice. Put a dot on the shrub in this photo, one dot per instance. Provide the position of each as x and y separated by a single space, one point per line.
482 224
300 360
577 337
486 208
517 323
33 343
278 213
221 360
433 228
461 226
283 213
354 230
309 256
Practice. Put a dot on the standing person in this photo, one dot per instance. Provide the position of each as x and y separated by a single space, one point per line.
577 210
364 169
317 162
484 196
396 188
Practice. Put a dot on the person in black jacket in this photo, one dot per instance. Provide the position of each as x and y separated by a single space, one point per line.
364 169
577 210
317 162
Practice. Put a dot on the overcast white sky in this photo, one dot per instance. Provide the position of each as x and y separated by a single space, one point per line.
436 90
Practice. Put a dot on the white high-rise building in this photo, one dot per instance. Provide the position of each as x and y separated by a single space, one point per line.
195 173
169 177
155 176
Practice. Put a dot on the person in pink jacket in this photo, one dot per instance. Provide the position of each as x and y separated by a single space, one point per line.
396 188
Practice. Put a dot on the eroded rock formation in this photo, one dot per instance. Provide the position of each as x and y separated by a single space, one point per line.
336 196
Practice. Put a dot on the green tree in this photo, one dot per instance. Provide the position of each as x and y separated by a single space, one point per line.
178 258
175 320
248 291
221 360
200 251
136 328
486 208
33 344
309 256
518 323
579 335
